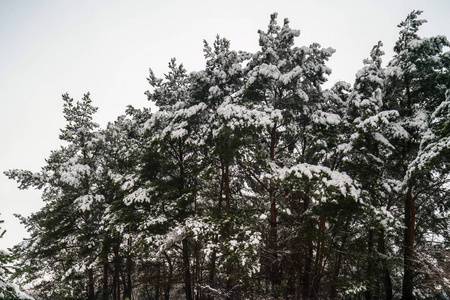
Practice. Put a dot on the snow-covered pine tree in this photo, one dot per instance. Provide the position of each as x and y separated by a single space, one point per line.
281 106
126 203
418 81
373 126
222 183
173 128
253 182
63 239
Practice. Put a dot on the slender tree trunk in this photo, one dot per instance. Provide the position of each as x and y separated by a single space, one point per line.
337 269
167 293
273 234
225 191
369 292
187 270
129 288
158 283
90 276
308 257
169 277
212 270
319 257
410 219
386 275
307 272
105 294
227 188
222 184
198 271
273 237
116 278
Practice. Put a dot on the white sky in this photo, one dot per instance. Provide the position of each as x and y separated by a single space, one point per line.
48 48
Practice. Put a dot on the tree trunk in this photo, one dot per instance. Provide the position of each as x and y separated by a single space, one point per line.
386 275
319 257
308 260
337 269
212 271
227 188
410 219
116 278
187 271
90 276
370 267
273 234
306 281
129 288
158 283
105 281
168 285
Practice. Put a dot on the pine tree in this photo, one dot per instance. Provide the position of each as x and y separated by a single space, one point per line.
126 208
373 128
214 86
251 181
62 232
287 116
417 86
173 127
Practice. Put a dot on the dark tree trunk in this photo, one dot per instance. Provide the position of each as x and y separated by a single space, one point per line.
212 271
337 269
227 188
90 276
273 234
168 285
105 294
128 287
319 258
187 270
158 283
370 267
386 275
308 259
116 278
410 219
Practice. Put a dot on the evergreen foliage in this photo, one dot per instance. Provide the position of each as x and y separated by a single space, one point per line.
252 181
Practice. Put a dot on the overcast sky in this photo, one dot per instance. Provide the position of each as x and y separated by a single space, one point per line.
48 48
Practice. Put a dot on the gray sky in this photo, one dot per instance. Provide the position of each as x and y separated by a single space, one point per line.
48 48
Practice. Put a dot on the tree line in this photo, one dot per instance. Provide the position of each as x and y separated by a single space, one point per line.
252 181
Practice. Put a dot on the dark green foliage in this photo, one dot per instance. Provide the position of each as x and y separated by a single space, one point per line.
252 181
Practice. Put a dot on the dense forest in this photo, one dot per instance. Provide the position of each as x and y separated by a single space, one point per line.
252 181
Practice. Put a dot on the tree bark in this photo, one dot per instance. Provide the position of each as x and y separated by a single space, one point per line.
227 188
410 220
129 288
386 275
116 278
308 257
319 257
370 266
105 281
187 270
212 271
307 271
168 284
337 269
273 233
90 276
